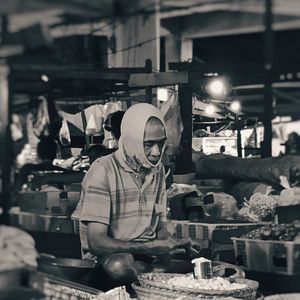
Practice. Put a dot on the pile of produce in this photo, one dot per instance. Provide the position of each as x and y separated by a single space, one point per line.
17 249
277 232
260 207
215 283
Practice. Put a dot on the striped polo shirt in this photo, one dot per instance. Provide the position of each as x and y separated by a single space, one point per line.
113 194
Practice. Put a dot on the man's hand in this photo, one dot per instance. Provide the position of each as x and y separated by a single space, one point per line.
172 246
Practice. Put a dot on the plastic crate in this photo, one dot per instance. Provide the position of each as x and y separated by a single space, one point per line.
220 232
43 223
268 256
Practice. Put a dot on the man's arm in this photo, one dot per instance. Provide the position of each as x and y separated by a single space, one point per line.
100 243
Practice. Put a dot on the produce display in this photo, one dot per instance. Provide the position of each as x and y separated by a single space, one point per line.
289 197
260 207
215 283
17 249
277 232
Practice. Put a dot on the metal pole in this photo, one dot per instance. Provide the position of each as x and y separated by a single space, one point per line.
268 66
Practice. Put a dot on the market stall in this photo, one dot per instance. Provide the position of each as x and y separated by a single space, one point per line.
233 216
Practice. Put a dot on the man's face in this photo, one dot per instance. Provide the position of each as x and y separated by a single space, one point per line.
154 140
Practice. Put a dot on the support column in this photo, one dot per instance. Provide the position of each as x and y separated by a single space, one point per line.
183 162
6 144
268 95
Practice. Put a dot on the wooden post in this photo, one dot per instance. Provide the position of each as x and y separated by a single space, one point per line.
6 144
4 29
84 125
268 65
148 90
183 162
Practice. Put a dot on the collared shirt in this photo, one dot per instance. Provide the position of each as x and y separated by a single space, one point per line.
113 194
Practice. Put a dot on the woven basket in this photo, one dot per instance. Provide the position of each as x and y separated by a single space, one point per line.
150 294
153 281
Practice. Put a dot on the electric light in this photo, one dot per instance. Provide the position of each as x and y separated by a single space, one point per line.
44 78
162 94
216 87
210 109
235 106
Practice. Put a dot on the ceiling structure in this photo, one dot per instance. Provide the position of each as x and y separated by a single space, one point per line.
203 21
228 36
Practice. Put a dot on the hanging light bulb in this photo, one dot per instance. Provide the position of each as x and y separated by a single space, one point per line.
44 78
235 106
216 87
210 109
162 94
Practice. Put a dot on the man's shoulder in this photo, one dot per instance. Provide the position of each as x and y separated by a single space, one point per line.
100 167
103 162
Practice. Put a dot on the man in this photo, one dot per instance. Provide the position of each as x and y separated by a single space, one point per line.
122 210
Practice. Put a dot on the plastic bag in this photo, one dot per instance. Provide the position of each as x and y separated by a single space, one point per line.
91 128
173 121
42 120
64 134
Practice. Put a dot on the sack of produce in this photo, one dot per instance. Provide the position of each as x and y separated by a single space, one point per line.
224 207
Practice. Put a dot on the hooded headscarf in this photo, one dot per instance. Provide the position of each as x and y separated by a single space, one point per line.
133 125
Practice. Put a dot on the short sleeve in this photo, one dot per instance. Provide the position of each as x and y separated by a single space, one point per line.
96 201
163 197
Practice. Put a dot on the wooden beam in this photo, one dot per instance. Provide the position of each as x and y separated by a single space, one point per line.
158 79
11 50
286 96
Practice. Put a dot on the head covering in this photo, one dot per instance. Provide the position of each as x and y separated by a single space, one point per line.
132 134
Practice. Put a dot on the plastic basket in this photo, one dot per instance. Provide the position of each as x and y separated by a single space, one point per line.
155 282
287 214
43 223
268 256
291 296
219 232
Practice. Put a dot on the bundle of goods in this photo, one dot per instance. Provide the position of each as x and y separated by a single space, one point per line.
272 248
17 248
253 169
17 252
73 163
222 208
